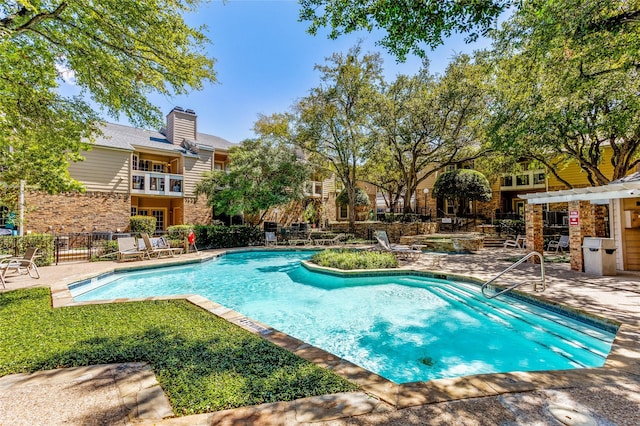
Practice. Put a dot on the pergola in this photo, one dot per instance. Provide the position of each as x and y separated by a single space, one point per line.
584 214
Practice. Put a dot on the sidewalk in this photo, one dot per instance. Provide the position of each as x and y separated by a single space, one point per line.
604 396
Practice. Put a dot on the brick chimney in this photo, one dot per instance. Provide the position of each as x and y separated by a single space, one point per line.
181 125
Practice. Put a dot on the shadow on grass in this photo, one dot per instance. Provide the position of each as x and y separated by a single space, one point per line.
202 362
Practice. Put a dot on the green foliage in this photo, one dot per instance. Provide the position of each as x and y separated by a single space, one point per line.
212 236
142 224
263 173
179 232
361 199
566 86
202 362
462 185
17 246
347 259
408 25
332 121
427 122
107 247
115 52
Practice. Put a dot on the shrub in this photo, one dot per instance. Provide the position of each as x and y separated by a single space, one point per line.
17 246
361 198
105 247
142 224
212 236
347 259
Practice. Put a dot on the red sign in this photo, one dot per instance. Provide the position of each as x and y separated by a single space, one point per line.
574 217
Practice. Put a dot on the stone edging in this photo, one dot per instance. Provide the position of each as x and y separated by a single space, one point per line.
403 395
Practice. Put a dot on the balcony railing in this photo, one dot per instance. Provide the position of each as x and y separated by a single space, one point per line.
313 189
152 183
530 179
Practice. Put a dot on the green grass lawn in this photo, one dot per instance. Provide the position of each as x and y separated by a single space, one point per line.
202 362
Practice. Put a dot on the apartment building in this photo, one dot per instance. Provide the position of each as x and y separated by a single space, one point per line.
131 171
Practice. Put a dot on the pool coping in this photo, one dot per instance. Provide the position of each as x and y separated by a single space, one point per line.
397 395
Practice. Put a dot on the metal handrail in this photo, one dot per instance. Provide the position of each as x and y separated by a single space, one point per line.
535 283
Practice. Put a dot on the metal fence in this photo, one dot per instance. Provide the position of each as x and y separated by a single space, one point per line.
83 246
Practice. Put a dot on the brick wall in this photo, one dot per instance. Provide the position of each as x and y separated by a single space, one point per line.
585 228
196 211
76 212
394 230
533 220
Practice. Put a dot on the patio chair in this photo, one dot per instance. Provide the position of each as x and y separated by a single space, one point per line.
561 244
518 242
331 241
306 241
270 239
127 248
158 247
400 251
21 265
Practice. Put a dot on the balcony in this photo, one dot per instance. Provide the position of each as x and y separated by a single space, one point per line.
152 183
530 179
313 189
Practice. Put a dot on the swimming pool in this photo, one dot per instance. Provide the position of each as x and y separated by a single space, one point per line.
405 328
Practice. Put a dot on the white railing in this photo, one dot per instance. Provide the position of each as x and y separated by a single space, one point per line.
535 283
152 183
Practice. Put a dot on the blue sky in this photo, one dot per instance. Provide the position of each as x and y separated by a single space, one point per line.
264 62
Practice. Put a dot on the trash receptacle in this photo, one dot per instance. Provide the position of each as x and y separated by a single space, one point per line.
599 256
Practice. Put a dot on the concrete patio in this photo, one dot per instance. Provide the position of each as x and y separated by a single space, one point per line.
129 394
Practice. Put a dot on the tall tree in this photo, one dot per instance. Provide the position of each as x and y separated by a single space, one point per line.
567 85
428 122
334 119
408 24
263 173
115 51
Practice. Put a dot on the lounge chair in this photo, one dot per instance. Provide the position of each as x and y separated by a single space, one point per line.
21 265
519 242
158 247
306 241
270 239
331 241
127 248
400 251
561 244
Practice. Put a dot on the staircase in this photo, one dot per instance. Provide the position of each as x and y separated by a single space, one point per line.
493 241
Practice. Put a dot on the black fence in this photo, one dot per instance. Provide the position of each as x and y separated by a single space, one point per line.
84 246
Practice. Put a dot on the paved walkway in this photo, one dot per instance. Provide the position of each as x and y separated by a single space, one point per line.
128 393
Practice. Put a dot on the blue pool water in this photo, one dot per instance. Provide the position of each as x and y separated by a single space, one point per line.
405 328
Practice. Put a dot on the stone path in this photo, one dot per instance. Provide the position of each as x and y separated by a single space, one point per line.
129 394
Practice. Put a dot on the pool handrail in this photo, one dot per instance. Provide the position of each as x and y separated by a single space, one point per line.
535 283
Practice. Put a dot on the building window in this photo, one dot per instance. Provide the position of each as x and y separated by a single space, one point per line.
538 178
507 180
156 184
134 162
176 185
134 211
159 215
343 212
522 180
137 182
450 207
158 167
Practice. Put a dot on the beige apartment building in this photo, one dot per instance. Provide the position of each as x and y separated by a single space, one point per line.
131 171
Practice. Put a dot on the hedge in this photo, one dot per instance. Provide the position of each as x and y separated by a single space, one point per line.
216 236
17 246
